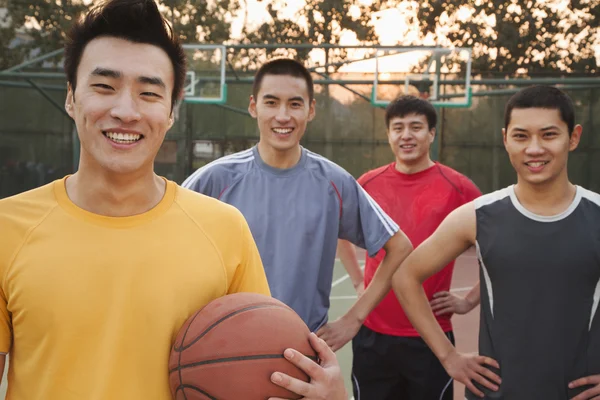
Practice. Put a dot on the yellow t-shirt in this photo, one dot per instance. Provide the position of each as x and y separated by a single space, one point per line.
90 305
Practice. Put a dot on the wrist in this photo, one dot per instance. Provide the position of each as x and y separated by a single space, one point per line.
354 317
447 354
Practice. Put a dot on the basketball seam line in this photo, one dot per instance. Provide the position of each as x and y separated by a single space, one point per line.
263 305
180 353
238 358
197 389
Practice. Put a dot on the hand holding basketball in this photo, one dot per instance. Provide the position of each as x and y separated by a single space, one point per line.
326 382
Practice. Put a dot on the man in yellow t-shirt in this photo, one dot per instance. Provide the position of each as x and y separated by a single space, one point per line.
99 270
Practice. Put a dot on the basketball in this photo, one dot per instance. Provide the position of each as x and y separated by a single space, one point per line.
228 350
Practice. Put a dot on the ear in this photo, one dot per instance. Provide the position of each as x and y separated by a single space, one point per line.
504 136
312 110
70 101
252 107
575 137
432 133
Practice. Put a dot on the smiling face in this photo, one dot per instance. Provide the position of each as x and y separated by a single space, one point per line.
121 105
410 138
282 109
538 144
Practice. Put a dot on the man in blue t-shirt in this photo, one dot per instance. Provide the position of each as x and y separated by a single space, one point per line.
298 204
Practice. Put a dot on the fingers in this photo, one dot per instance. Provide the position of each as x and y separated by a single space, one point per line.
589 394
488 361
323 330
447 310
473 388
326 354
588 380
292 384
440 302
481 373
441 294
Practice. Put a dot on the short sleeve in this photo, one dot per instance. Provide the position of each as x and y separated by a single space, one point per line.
209 180
363 222
249 274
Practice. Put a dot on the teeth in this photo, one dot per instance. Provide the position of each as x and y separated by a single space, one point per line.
536 164
407 146
123 137
282 131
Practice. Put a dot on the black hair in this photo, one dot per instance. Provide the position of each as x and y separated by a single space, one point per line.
406 104
138 21
541 96
284 66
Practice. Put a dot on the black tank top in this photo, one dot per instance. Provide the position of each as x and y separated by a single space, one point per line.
540 287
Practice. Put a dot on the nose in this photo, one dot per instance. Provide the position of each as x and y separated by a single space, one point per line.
405 133
125 108
283 115
534 147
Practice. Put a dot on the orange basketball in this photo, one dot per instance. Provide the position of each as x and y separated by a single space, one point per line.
229 349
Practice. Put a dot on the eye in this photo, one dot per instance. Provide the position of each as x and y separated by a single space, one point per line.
102 86
296 105
550 134
151 94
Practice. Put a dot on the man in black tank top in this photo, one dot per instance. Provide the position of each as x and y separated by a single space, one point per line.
538 245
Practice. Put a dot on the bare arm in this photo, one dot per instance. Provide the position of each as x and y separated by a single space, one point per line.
454 235
347 253
339 332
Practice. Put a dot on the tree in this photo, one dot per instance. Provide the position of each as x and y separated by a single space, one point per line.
510 36
45 23
317 22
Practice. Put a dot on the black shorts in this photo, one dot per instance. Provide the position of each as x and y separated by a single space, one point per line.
388 367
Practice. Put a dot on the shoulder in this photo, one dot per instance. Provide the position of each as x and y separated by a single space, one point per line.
459 181
21 214
590 197
372 175
28 206
494 198
227 167
207 212
327 169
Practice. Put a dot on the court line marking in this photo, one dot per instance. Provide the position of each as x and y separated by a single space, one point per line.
343 278
352 297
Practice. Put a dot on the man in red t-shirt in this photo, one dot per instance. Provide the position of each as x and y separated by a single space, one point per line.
390 360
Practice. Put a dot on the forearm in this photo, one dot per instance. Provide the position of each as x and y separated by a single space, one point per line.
412 297
347 254
381 283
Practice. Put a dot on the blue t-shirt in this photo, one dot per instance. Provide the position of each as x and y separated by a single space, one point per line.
296 216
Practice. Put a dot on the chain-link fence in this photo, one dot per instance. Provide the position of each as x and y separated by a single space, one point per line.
38 143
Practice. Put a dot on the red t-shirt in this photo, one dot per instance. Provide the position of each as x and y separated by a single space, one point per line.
418 203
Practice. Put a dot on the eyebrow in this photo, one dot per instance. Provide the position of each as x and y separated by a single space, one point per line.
111 73
108 73
273 97
547 128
